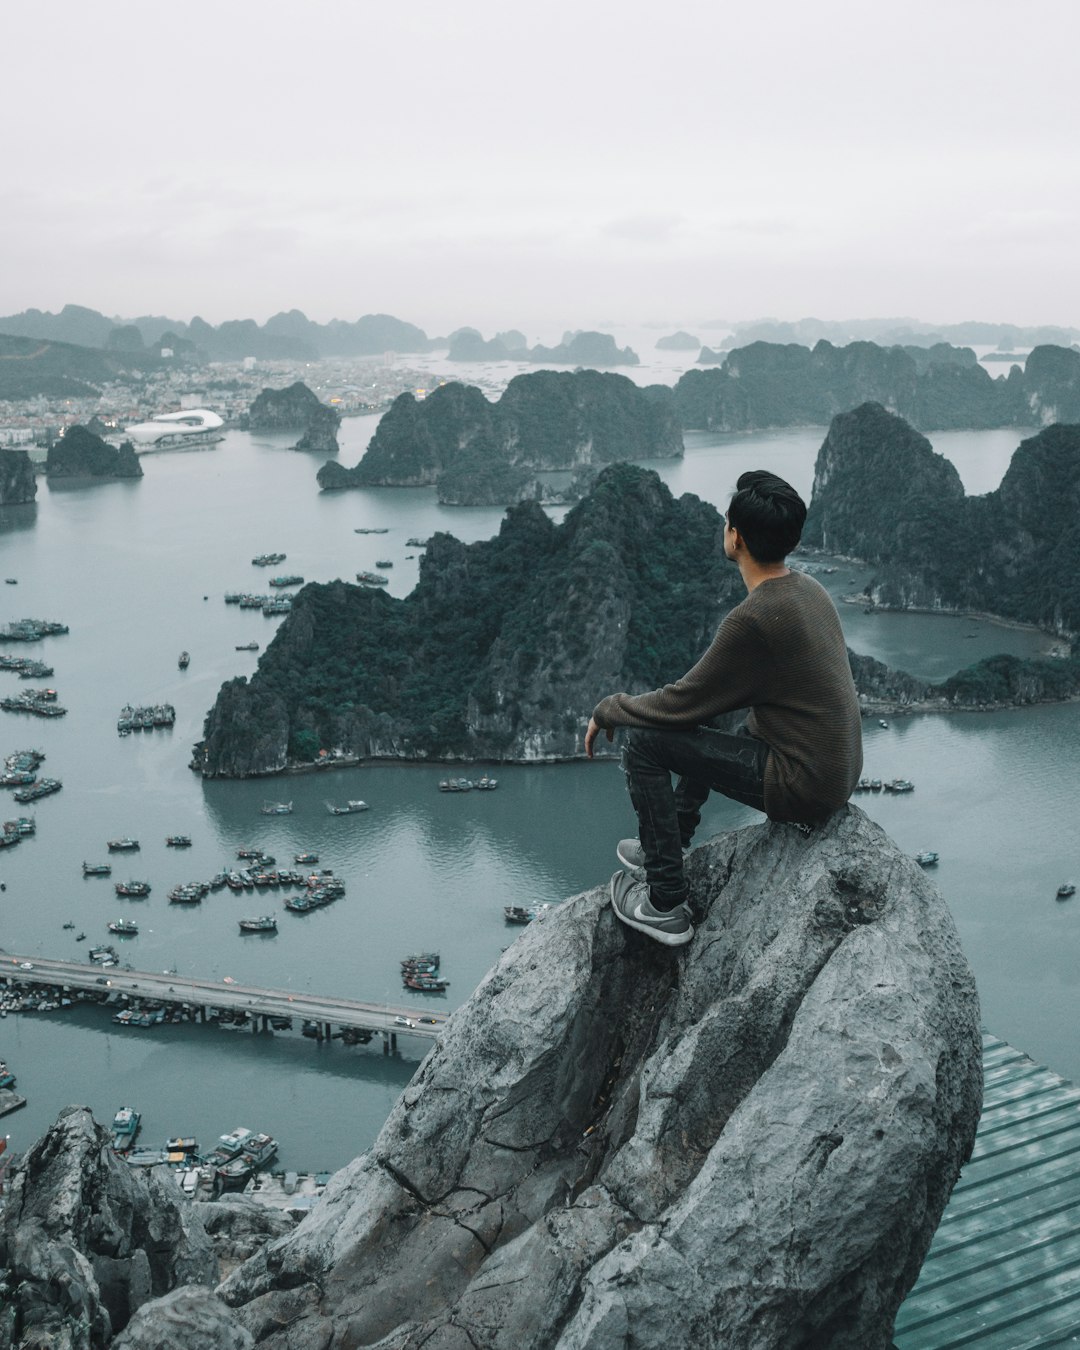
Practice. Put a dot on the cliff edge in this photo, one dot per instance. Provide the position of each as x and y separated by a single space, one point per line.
748 1143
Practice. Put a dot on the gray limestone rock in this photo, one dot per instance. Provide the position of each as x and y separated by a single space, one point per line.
18 485
747 1143
85 1239
239 1226
191 1318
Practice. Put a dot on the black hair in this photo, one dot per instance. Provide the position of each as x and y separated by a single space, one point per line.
768 513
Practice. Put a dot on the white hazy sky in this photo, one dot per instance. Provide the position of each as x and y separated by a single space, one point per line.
490 163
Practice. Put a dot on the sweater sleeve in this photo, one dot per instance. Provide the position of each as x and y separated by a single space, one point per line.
727 676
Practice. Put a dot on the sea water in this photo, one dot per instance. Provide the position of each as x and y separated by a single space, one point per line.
138 570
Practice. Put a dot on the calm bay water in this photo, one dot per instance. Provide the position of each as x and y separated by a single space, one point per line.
127 566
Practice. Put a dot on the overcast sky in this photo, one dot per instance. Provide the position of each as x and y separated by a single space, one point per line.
570 163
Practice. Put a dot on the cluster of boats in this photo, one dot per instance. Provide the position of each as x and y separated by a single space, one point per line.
484 784
269 604
26 668
31 630
893 785
232 1162
15 831
20 768
421 971
145 718
37 702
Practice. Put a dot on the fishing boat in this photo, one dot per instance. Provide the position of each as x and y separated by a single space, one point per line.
1066 889
372 529
124 845
372 579
178 840
455 785
125 1127
124 928
276 808
899 785
183 661
349 809
268 559
247 647
485 784
927 858
306 857
266 923
96 869
136 888
524 913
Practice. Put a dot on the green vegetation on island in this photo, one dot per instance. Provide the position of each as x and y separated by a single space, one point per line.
482 453
81 453
882 493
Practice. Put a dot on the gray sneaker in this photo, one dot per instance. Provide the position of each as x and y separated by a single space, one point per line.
632 855
633 907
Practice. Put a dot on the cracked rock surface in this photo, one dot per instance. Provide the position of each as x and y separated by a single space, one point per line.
746 1142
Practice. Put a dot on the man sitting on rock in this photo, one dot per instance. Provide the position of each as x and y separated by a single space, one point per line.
781 654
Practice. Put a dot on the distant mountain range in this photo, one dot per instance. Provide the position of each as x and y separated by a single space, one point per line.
287 336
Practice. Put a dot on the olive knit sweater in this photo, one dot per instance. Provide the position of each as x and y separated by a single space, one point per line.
780 653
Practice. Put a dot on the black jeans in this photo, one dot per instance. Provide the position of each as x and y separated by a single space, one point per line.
705 760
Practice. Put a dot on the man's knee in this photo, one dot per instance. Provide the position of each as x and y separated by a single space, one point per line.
642 748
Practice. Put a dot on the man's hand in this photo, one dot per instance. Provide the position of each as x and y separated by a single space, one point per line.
592 733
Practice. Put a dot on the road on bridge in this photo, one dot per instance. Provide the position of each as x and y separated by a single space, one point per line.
168 987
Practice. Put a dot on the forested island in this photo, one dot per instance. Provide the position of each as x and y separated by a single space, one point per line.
481 453
935 388
297 408
596 350
18 483
506 644
881 493
80 453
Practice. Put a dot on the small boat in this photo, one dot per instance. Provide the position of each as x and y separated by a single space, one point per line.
372 529
291 580
104 956
883 723
137 888
383 562
876 784
11 581
124 928
183 661
372 579
1065 890
486 784
80 937
266 923
121 845
306 857
927 858
181 1144
125 1127
899 785
178 840
247 647
349 809
69 924
524 913
455 785
96 869
276 808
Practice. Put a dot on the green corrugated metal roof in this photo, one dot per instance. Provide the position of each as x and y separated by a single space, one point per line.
1003 1270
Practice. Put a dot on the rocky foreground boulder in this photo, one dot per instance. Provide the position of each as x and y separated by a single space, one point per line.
85 1240
747 1143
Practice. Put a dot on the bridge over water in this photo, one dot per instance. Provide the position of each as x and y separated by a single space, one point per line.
323 1010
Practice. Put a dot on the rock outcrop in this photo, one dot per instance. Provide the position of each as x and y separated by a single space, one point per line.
297 408
746 1144
80 453
482 453
767 384
881 493
85 1240
678 342
502 648
585 349
18 482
